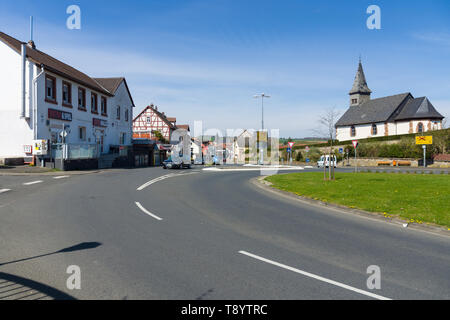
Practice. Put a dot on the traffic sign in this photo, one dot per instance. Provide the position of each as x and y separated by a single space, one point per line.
307 149
288 150
307 160
291 144
355 143
341 150
424 140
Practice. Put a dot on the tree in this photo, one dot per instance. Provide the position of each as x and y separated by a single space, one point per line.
327 128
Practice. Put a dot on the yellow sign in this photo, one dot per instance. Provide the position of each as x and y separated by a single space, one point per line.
424 140
262 136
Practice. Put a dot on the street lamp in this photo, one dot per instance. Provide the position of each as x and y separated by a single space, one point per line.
261 151
262 95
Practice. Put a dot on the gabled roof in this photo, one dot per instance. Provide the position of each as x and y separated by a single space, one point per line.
419 108
372 111
172 119
360 83
53 65
112 84
159 114
183 126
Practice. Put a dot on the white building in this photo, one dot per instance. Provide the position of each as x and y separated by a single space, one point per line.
387 116
41 96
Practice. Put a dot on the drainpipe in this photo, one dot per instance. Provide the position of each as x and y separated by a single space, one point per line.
23 81
35 116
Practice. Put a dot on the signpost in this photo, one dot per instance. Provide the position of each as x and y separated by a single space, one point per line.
424 141
355 145
289 150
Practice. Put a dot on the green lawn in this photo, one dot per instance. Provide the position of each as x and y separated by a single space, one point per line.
421 198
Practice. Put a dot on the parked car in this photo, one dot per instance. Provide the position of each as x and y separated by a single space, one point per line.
169 164
325 161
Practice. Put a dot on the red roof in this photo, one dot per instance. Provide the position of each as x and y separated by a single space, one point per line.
442 157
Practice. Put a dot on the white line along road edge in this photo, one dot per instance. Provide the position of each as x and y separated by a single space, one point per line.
147 212
335 283
4 190
31 183
61 177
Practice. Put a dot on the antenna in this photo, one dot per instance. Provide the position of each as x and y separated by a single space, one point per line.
31 28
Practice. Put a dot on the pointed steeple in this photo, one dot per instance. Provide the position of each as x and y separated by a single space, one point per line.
360 91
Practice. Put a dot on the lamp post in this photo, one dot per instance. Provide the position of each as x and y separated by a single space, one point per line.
262 96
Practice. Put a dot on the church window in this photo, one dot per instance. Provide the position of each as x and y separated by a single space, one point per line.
374 129
353 131
420 127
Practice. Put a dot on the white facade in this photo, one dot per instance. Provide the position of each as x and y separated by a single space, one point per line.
364 131
44 120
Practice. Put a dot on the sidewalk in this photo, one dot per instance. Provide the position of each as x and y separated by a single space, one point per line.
29 170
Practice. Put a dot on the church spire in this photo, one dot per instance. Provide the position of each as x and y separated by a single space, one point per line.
360 91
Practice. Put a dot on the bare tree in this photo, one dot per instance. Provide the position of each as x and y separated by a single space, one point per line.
327 128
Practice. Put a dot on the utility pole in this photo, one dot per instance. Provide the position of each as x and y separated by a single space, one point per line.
261 150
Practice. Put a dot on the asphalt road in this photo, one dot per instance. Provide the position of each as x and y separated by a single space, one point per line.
201 235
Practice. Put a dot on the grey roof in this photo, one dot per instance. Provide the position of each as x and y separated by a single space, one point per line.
372 111
419 108
360 83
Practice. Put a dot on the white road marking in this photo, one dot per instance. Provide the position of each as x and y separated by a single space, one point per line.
147 212
33 182
145 185
60 177
4 190
335 283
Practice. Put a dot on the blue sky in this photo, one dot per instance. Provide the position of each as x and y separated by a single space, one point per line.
205 59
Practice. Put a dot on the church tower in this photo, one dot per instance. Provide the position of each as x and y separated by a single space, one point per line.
360 92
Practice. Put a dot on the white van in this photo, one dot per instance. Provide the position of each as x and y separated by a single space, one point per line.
325 160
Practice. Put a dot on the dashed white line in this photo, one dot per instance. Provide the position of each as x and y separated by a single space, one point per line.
4 190
61 177
307 274
32 182
147 212
145 185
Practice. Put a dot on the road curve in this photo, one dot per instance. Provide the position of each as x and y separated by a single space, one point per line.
195 251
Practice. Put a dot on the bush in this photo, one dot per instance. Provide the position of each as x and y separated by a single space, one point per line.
299 156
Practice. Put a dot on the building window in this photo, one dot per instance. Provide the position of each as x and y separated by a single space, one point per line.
118 113
353 131
50 88
94 105
354 101
82 99
149 119
67 94
374 129
420 127
82 133
122 138
126 115
104 106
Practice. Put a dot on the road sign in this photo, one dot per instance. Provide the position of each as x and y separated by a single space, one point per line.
307 149
341 150
424 140
355 143
291 144
288 150
307 160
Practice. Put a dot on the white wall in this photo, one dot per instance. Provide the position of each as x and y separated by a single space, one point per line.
14 132
362 132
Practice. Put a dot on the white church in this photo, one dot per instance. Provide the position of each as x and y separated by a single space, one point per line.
387 116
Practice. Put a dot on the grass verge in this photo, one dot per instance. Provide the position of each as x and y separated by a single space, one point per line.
416 198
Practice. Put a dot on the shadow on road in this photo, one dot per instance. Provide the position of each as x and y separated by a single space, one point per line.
78 247
18 288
